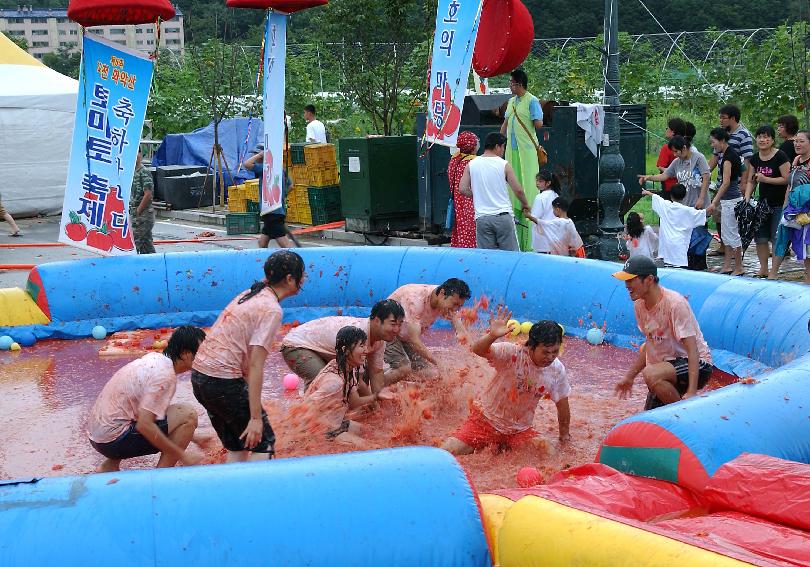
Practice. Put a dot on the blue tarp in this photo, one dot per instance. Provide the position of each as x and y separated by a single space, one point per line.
194 148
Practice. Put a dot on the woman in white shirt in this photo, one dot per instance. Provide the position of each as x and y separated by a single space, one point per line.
642 240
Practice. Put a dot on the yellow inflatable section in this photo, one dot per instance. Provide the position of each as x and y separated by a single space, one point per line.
535 532
17 308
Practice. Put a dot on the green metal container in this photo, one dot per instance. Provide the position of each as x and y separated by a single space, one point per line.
379 184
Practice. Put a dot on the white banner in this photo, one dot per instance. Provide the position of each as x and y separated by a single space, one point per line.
275 54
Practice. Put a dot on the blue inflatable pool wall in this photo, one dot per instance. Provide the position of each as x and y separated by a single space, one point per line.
407 506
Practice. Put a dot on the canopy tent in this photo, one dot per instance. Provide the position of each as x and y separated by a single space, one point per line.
37 109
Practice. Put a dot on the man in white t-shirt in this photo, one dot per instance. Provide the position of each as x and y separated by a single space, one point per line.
133 415
316 131
485 180
677 223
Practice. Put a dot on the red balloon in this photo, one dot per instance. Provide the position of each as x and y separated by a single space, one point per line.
286 6
119 12
528 477
505 35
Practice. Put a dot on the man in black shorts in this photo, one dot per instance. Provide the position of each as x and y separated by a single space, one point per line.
675 361
133 415
273 224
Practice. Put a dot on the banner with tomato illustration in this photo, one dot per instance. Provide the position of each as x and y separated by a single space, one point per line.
110 109
453 46
275 59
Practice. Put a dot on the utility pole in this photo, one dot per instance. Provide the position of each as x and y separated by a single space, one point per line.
611 162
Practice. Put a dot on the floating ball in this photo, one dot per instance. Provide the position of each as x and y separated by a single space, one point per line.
529 476
15 346
514 327
99 332
6 342
291 381
595 336
525 327
159 344
25 338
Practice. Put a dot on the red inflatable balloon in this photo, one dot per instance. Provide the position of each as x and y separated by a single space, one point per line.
505 35
119 12
286 6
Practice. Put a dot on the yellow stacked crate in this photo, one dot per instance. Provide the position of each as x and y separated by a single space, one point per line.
252 189
237 203
321 163
298 205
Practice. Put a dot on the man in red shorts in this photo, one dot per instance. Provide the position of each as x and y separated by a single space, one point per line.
504 411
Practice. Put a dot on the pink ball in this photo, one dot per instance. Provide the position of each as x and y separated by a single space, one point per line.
529 476
291 381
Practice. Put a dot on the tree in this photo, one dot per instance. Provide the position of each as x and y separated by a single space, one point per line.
372 42
64 61
19 41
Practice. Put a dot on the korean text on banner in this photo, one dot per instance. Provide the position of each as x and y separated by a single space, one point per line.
453 45
110 110
275 53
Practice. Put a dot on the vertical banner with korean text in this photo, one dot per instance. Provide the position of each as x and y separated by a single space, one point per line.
453 46
275 56
110 109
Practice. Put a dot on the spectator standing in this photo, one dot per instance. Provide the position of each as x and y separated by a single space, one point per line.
726 198
485 180
677 224
787 126
797 202
522 118
675 127
548 187
769 172
463 235
642 239
141 213
316 131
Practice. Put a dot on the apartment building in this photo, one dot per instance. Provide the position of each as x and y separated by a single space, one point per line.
46 30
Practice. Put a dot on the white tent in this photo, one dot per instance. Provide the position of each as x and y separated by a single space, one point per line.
37 109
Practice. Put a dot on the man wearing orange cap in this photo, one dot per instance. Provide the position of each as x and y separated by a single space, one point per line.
674 360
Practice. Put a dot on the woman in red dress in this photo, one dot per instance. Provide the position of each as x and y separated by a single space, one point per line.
464 226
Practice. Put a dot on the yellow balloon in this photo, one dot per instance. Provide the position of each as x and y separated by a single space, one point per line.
525 327
14 346
514 327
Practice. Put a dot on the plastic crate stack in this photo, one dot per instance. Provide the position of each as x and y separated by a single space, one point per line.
323 191
237 199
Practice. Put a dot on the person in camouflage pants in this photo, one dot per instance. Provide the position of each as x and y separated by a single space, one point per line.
141 213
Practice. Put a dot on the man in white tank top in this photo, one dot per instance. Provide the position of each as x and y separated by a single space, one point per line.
485 180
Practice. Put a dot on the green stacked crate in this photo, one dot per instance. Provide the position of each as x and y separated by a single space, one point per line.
242 223
297 154
324 203
252 206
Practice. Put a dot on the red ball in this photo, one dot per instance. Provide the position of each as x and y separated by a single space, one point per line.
528 477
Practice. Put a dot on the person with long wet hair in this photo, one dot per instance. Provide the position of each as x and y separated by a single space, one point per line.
228 371
340 387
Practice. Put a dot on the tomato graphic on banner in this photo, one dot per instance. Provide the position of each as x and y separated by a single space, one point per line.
446 115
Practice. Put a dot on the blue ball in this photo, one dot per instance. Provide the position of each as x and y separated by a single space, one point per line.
595 336
99 332
25 338
5 342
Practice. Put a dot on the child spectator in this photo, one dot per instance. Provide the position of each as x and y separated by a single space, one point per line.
548 187
228 372
642 240
504 411
560 232
677 222
339 387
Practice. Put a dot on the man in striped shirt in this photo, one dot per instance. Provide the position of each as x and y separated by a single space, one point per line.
741 141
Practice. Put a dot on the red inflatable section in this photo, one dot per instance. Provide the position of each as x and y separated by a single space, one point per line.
110 12
598 487
763 486
691 473
285 6
505 35
735 532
